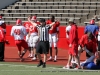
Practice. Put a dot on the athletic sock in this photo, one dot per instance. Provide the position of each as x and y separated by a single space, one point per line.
55 57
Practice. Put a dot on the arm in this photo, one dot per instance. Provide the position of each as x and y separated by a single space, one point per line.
12 32
85 30
72 35
90 53
33 23
54 23
24 31
58 24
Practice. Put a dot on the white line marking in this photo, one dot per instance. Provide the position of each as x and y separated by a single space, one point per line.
47 69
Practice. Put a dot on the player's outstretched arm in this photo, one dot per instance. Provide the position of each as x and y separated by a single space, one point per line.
53 23
33 23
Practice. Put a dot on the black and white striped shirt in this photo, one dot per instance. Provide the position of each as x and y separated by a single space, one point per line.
43 32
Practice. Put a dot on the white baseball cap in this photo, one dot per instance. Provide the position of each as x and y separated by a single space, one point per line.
1 22
71 20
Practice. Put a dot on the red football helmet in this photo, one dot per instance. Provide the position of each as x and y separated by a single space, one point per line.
34 18
18 22
0 17
92 22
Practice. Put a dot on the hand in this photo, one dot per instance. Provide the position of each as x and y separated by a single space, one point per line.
29 18
67 36
7 42
57 39
70 45
57 20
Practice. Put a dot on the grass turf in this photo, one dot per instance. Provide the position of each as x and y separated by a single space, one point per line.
7 68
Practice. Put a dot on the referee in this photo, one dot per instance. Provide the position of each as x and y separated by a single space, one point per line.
43 45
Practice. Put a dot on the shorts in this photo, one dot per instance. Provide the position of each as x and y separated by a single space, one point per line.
53 39
43 47
74 49
33 41
21 43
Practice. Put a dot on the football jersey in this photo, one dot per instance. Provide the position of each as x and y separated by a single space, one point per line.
18 32
27 26
54 28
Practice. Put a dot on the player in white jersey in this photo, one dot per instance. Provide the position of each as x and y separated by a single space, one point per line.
67 31
18 32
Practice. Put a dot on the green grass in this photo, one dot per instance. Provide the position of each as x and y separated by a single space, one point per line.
31 69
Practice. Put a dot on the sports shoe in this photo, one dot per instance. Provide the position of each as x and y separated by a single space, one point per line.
44 65
55 60
50 59
40 63
34 58
21 59
65 67
30 56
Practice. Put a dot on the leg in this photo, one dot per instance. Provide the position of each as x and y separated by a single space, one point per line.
56 52
54 37
35 42
45 51
29 52
40 60
38 51
80 50
19 50
74 52
2 51
50 43
25 46
69 60
77 60
23 53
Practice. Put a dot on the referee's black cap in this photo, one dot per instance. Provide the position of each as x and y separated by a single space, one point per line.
42 20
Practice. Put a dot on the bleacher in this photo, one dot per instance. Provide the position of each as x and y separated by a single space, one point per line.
80 10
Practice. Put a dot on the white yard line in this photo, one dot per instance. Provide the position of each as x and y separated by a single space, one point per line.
47 69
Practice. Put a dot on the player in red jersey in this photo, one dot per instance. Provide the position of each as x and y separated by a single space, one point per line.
18 32
3 24
32 37
73 44
88 43
53 37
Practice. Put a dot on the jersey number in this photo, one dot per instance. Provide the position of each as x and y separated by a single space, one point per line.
17 31
31 28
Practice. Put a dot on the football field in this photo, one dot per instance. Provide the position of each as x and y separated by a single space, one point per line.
12 65
10 68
